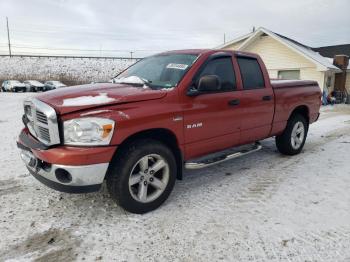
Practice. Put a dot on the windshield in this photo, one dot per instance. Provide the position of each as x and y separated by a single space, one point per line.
160 71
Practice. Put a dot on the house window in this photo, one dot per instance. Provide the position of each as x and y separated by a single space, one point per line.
289 74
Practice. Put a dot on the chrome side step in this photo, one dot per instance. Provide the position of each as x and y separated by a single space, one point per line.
223 156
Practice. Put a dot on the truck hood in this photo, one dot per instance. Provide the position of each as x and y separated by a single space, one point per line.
71 99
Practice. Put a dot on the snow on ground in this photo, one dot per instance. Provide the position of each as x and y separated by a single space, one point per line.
260 207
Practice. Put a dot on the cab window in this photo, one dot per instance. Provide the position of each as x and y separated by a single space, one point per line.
251 73
223 68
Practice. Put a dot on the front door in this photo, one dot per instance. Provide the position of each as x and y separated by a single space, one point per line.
212 120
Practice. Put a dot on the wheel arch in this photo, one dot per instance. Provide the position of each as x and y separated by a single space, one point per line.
163 135
302 110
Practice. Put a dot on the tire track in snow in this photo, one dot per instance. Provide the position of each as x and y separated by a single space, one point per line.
263 185
50 245
9 187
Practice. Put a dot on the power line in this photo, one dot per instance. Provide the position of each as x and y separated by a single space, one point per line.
57 54
80 28
38 34
71 56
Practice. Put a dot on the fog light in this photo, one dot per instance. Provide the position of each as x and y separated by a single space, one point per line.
28 158
63 175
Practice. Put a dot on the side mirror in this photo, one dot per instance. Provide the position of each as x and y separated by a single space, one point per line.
209 83
206 84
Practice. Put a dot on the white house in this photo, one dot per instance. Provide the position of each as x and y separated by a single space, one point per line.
286 58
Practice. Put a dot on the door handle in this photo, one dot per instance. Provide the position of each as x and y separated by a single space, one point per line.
234 102
267 98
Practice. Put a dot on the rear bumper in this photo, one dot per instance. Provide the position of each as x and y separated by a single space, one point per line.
71 172
318 116
314 117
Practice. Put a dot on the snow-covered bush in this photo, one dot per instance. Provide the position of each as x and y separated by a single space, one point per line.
66 69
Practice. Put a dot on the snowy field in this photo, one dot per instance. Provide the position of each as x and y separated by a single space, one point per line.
262 207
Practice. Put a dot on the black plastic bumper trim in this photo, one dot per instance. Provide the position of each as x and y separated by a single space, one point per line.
31 143
23 147
65 188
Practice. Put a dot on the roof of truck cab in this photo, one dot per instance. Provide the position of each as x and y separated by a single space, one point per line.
206 51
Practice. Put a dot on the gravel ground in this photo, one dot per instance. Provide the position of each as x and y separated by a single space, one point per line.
260 207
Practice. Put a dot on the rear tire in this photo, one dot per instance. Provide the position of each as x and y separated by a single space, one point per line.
142 175
292 140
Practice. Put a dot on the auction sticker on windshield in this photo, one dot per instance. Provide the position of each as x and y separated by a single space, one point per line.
177 66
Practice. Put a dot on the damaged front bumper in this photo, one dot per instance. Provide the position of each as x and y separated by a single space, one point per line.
64 178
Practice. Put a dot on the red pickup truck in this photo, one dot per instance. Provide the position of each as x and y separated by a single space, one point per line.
175 110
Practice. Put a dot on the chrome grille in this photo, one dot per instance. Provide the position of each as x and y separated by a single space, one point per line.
42 121
41 117
44 133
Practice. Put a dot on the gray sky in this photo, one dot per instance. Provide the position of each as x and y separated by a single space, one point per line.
151 26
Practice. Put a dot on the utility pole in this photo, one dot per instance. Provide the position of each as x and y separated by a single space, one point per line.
8 35
131 52
224 38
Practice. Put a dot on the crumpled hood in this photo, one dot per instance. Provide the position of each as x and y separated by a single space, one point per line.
71 99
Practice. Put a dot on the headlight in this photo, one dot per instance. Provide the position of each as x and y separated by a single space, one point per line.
88 131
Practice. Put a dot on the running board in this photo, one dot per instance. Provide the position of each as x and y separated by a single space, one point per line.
222 156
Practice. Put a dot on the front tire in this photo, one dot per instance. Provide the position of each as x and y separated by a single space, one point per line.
292 140
142 175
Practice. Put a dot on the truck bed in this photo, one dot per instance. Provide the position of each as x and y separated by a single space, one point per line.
291 94
292 83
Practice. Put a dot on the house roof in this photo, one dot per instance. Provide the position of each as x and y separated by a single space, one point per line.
302 49
331 51
243 37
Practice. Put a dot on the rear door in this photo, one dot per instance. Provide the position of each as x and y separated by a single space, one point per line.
257 100
212 119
